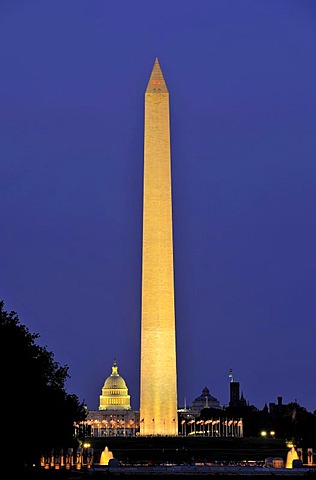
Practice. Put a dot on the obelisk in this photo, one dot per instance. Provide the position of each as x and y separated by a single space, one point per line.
158 382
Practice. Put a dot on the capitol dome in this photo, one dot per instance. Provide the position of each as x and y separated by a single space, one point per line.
115 392
114 381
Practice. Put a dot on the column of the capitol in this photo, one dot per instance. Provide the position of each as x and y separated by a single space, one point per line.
158 383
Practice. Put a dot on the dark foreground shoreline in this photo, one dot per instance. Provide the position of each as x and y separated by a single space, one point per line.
167 473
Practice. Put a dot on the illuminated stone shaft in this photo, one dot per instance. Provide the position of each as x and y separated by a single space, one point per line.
158 393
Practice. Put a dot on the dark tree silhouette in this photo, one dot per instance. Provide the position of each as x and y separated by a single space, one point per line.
37 414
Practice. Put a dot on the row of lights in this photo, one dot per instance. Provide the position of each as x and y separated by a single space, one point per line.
264 433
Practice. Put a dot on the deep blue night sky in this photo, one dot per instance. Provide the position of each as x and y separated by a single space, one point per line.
242 82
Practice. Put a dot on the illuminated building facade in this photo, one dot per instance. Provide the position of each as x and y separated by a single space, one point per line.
115 416
115 392
158 382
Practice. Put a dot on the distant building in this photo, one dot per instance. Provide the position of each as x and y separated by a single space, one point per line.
277 409
115 392
115 416
205 400
236 400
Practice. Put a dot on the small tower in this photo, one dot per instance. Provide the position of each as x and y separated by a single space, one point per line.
234 394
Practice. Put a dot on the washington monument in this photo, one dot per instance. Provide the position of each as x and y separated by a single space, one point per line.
158 382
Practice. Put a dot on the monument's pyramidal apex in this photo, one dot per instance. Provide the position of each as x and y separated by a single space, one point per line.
156 82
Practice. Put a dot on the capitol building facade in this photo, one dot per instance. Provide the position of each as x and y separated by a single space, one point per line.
114 416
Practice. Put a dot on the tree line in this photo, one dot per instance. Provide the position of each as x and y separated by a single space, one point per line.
37 414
